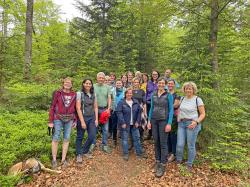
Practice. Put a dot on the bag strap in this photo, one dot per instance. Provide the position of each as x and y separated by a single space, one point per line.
82 101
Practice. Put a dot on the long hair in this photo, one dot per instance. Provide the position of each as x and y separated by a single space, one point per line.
152 75
91 89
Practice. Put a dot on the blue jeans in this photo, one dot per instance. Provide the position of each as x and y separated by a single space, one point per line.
135 137
160 140
172 142
114 125
59 125
91 129
184 133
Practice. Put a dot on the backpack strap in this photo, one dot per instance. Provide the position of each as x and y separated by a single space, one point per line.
82 101
197 105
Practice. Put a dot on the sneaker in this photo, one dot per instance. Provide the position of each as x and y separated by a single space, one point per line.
106 149
161 170
88 155
125 157
189 168
171 158
54 164
91 149
143 155
65 164
79 158
156 167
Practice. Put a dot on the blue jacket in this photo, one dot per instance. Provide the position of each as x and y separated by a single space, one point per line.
124 112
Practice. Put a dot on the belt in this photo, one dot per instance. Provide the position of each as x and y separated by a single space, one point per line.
102 107
185 119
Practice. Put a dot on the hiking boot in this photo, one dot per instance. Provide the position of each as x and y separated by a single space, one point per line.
189 168
88 155
54 164
125 157
171 158
160 171
65 164
106 149
91 149
157 165
79 159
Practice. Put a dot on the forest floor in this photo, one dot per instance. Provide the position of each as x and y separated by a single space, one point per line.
106 170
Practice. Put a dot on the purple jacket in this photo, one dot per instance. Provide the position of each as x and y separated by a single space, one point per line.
151 87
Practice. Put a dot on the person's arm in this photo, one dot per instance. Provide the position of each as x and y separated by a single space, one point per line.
79 112
120 116
138 119
170 109
52 109
202 113
96 111
109 98
151 109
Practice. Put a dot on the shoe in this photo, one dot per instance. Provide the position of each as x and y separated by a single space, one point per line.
125 157
88 155
65 164
161 170
156 167
106 149
178 162
171 158
114 143
79 158
54 164
189 168
142 156
91 149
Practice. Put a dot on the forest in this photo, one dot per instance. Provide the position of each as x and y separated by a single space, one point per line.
205 41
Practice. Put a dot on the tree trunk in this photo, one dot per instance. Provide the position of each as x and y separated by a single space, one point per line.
213 39
3 46
28 40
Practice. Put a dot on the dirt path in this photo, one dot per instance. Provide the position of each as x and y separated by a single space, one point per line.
111 170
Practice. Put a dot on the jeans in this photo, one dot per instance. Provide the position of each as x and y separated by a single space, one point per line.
160 140
59 125
172 142
91 129
150 130
114 125
191 135
135 138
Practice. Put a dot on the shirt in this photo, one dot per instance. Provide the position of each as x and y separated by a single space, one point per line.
102 92
130 103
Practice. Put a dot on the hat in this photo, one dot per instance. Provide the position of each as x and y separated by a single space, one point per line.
104 117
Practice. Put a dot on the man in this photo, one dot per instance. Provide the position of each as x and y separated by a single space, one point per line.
103 95
168 77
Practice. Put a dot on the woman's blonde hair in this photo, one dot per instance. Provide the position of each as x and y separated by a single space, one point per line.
190 83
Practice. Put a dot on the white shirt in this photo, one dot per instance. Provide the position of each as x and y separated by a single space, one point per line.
130 103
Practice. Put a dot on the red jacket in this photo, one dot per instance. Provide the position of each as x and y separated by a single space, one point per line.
62 103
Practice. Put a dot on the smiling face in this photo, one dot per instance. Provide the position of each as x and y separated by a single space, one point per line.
155 75
129 94
124 79
171 85
189 91
161 85
168 73
87 85
100 79
67 84
145 78
118 84
130 77
136 84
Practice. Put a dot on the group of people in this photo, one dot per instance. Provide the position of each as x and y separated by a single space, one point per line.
129 107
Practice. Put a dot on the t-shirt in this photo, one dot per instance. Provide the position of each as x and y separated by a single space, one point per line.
130 103
102 92
188 108
139 95
144 86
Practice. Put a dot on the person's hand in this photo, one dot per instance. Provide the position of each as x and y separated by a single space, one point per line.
83 124
73 124
192 125
51 125
149 125
168 128
124 126
136 125
96 122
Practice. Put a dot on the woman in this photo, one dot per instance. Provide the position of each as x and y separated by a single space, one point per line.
124 79
144 81
160 120
130 78
62 117
172 138
191 114
87 110
139 94
150 89
129 116
117 96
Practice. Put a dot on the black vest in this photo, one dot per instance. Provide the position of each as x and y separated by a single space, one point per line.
160 111
88 104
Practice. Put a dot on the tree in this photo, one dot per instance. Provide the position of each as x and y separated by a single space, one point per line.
28 40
